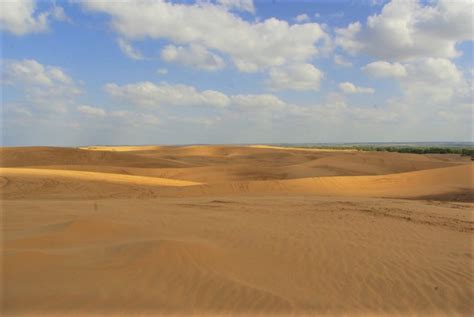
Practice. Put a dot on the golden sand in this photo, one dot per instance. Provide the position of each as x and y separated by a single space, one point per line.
235 231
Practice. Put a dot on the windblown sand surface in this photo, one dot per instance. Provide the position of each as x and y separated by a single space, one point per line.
230 230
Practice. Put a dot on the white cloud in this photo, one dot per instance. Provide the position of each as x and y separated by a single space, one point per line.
435 70
250 45
93 111
342 61
17 17
346 37
424 81
264 101
194 55
58 14
120 117
21 17
407 29
385 69
246 66
295 77
434 80
43 87
31 72
350 88
260 109
373 115
302 18
434 92
152 95
239 5
335 108
129 50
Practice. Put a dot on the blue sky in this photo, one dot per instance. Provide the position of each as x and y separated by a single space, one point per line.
235 71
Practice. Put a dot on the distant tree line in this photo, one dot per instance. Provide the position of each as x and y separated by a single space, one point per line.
420 150
407 149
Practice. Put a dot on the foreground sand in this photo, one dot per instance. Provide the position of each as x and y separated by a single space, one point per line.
235 231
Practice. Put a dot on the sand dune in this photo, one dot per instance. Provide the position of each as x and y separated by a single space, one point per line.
244 231
21 157
92 177
121 148
410 184
51 183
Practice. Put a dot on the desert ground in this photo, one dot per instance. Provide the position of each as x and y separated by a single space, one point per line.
235 231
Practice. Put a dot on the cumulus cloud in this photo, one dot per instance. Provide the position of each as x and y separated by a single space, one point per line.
164 95
42 86
418 107
58 14
347 38
119 117
433 81
21 17
350 88
93 111
250 45
238 5
369 114
31 72
342 61
295 77
424 81
336 110
149 94
264 101
129 50
408 29
432 89
193 55
302 18
385 69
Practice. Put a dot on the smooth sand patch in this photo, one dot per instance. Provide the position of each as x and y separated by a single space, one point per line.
122 148
289 148
93 176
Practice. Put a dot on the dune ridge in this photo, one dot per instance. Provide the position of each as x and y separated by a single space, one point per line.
94 176
25 182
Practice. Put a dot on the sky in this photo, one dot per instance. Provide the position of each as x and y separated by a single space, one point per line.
235 71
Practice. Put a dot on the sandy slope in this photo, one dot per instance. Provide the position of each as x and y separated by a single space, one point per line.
235 231
51 183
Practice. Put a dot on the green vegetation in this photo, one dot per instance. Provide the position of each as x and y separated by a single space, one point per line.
419 150
464 151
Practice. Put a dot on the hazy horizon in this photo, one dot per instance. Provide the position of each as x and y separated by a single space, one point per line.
419 143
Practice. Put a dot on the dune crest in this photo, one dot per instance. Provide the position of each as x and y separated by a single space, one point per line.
37 183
